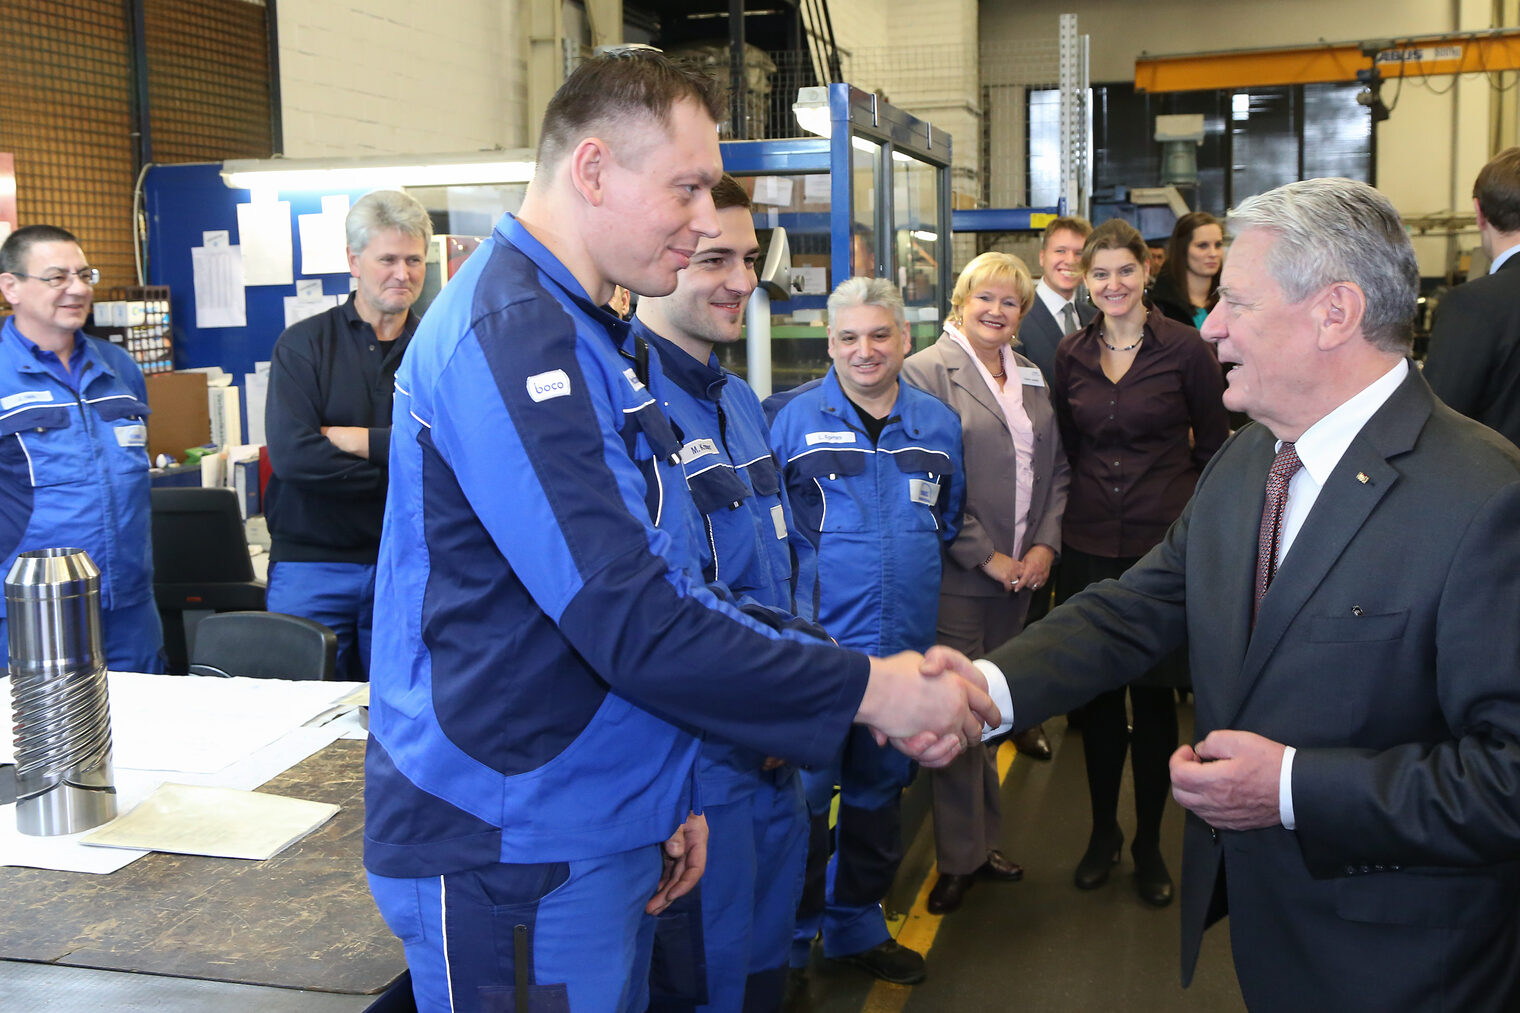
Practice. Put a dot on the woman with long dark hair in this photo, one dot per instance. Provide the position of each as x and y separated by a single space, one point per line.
1186 285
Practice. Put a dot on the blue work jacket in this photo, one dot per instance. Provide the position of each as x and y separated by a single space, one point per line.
542 656
74 462
870 522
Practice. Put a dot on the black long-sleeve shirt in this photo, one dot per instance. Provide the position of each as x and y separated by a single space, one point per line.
324 504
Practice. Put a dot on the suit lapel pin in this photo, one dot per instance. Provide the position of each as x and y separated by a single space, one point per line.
1356 610
1363 477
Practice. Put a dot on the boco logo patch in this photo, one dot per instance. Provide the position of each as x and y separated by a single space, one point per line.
543 386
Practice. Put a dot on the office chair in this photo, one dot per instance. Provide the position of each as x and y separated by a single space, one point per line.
200 563
264 645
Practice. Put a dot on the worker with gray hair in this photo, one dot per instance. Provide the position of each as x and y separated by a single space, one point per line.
328 420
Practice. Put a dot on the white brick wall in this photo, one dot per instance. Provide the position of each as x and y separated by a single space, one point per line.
395 76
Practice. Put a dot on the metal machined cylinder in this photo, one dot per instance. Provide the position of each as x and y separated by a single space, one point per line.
59 705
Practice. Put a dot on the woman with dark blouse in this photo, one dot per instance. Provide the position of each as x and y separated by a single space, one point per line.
1184 289
1138 400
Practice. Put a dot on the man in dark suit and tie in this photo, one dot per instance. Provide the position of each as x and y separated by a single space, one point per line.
1347 577
1056 311
1474 360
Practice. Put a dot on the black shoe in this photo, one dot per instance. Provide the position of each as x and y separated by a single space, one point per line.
948 893
1033 743
1102 855
1152 881
889 961
999 867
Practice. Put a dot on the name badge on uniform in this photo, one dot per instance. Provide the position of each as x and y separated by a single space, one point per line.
778 518
132 436
813 439
24 397
920 491
1030 376
696 449
633 379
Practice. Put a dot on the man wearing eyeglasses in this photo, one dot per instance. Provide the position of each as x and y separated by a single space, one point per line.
74 440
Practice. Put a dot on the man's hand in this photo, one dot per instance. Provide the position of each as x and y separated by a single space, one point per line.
930 718
1037 562
685 856
1230 780
349 439
941 659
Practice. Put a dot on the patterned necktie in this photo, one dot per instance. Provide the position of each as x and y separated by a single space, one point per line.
1068 318
1284 465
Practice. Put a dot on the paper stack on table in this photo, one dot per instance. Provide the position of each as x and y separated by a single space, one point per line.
189 819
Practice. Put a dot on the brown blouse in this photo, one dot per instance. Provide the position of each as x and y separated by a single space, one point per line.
1133 466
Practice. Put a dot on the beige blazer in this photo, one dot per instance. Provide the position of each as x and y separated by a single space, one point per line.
945 370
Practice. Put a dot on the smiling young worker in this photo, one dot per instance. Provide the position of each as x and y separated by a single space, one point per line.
73 443
328 420
543 657
755 813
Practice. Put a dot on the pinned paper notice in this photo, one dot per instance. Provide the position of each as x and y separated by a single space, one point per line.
298 308
264 235
324 244
773 190
219 297
309 288
217 237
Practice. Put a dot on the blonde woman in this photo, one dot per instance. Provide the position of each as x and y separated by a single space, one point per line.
1016 478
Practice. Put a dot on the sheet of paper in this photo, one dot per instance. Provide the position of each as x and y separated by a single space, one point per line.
219 296
773 190
255 394
324 247
297 308
815 280
264 235
191 819
815 188
308 288
216 237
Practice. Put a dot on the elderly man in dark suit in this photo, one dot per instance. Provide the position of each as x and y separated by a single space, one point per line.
1474 360
1058 309
1347 576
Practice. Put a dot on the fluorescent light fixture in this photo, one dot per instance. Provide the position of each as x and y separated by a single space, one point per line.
375 172
928 237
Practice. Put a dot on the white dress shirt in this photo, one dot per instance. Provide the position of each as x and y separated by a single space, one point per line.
1501 258
1055 302
1320 449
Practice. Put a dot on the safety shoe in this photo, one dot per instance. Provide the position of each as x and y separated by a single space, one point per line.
889 961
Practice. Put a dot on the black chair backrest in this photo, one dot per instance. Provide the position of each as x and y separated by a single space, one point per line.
264 645
198 537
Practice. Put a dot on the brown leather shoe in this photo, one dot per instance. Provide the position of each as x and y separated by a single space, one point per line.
1033 743
998 866
948 893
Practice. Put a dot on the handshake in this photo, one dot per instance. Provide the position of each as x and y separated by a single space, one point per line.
929 706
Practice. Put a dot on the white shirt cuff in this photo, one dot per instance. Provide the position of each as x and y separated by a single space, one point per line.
1285 789
997 688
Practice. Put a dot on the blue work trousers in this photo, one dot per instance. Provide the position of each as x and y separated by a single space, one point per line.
134 638
842 895
581 926
748 897
340 596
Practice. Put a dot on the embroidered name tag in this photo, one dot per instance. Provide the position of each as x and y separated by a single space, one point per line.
813 439
25 397
920 491
1030 376
778 518
696 449
543 386
132 436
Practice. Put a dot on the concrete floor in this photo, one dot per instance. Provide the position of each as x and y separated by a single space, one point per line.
1040 944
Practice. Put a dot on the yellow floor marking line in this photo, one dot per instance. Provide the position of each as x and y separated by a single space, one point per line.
920 927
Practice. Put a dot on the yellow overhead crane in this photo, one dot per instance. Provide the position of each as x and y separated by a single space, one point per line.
1420 56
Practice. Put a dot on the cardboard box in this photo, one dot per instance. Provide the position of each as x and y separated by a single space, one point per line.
181 416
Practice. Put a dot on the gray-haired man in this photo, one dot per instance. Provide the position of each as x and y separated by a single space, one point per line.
328 421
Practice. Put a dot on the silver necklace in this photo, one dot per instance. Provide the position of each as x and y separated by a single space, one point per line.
1103 337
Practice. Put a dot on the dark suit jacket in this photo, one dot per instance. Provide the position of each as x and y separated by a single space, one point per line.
1387 651
1040 333
946 371
1474 359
